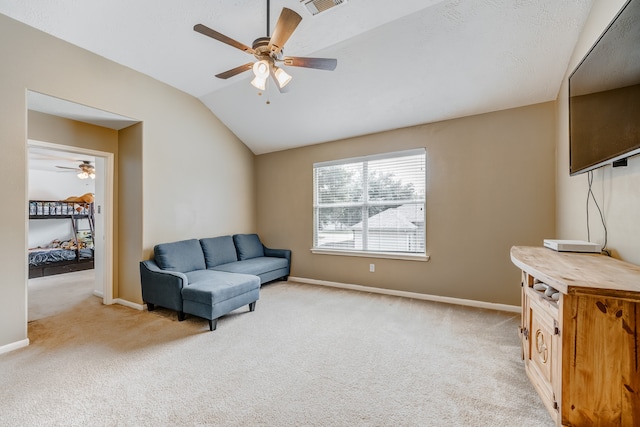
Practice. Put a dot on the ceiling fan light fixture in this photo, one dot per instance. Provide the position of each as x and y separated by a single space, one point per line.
83 175
261 69
281 77
259 83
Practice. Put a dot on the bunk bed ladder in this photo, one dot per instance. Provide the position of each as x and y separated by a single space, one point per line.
74 226
88 215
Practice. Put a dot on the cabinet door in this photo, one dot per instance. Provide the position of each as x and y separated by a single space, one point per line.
542 355
601 384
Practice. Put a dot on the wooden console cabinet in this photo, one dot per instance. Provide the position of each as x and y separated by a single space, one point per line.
582 352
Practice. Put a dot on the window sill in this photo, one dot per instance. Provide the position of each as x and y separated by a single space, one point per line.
364 254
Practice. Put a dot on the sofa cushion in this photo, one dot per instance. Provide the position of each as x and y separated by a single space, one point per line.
248 246
255 266
182 256
218 250
212 287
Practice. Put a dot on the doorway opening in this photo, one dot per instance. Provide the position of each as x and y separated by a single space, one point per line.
80 230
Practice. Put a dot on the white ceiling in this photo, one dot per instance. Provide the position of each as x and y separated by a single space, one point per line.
56 161
400 63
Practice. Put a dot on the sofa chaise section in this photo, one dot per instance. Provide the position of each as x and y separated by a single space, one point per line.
212 294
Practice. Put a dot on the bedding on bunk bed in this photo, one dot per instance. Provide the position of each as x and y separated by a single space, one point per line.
58 251
73 252
40 256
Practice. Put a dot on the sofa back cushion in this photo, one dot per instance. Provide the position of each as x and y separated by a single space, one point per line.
248 246
218 250
182 256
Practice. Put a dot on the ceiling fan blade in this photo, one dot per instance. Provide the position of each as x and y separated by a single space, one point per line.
286 25
64 167
235 71
202 29
317 63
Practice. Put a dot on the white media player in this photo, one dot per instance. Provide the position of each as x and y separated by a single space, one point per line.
572 246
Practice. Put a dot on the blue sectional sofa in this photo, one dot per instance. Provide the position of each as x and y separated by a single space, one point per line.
211 277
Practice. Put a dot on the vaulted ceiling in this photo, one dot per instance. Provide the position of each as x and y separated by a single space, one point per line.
400 63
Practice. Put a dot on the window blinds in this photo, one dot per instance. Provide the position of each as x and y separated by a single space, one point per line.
372 204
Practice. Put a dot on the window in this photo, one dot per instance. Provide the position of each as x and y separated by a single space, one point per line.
373 204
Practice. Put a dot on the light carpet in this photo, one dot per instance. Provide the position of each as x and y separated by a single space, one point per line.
308 356
51 295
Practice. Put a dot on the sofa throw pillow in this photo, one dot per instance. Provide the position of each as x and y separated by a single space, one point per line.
218 250
248 246
182 256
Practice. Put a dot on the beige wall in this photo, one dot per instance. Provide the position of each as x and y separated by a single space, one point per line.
57 130
617 190
129 223
196 177
490 185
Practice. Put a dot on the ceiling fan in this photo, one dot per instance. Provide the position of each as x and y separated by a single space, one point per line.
269 51
84 170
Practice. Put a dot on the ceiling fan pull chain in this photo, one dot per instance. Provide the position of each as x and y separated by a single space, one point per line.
267 92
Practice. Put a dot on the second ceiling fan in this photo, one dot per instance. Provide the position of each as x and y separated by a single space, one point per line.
84 170
268 52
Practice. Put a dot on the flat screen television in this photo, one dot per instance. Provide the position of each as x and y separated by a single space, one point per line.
604 96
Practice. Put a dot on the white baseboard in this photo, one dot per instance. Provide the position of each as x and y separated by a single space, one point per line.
414 295
128 304
14 346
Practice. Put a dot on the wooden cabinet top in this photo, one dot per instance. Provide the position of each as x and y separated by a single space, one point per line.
576 273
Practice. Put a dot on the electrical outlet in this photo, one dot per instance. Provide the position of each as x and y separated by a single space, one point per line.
372 268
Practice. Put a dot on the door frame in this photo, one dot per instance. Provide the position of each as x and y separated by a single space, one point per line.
106 208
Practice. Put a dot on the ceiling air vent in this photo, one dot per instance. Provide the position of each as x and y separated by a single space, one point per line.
317 6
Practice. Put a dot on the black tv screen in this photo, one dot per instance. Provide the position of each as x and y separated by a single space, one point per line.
604 96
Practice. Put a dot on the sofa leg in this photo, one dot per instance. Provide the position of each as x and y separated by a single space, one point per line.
213 324
150 306
285 278
252 306
181 316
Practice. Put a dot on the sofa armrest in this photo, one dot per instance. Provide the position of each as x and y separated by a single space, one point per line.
162 287
278 253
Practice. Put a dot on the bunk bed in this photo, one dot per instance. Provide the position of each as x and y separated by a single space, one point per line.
63 255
